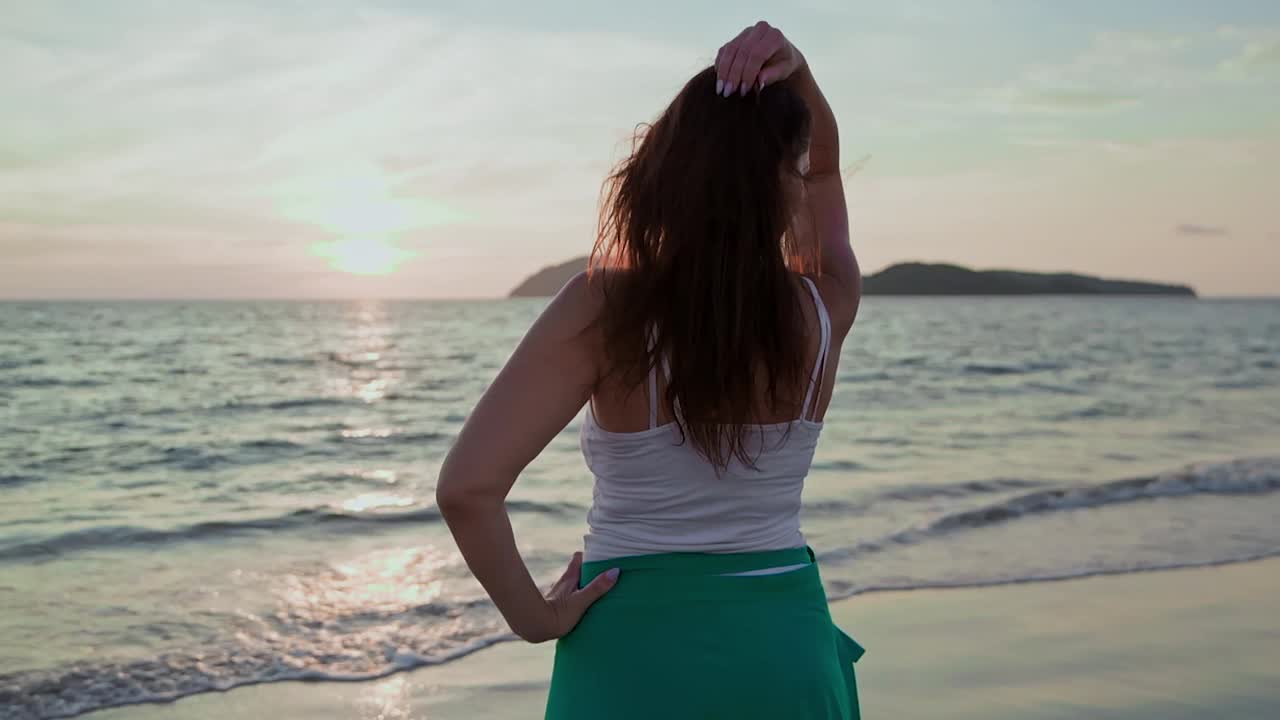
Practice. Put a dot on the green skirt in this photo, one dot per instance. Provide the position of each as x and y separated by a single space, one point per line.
676 638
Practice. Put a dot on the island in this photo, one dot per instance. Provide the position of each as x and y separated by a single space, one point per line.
915 278
941 279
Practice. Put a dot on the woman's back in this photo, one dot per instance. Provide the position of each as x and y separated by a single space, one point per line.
705 355
654 493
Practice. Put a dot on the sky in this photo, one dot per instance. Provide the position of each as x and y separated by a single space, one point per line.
200 149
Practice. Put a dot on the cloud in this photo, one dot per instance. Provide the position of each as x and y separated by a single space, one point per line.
1110 147
1257 56
374 119
1201 230
1124 61
177 243
1080 99
207 133
1062 99
1251 52
1114 71
1122 69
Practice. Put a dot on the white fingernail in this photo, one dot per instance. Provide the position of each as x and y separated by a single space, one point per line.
719 86
728 90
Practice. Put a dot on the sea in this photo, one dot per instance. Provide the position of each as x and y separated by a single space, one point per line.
196 496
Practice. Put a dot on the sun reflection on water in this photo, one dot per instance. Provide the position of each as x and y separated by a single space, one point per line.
370 501
365 433
386 699
366 354
383 583
389 477
373 390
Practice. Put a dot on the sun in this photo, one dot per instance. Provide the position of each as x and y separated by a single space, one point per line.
363 255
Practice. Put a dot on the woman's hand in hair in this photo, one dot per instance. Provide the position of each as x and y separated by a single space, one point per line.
758 56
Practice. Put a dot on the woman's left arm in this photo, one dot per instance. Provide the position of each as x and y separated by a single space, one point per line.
539 391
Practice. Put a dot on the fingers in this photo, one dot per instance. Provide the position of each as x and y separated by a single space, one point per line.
602 584
746 47
572 573
725 59
733 80
720 65
739 62
784 61
769 75
765 44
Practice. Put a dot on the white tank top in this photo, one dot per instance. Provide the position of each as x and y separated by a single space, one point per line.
653 494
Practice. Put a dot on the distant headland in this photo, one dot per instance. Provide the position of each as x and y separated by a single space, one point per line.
915 278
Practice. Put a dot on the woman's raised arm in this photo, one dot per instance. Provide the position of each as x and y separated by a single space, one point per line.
760 56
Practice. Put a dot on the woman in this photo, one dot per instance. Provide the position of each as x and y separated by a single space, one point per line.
704 341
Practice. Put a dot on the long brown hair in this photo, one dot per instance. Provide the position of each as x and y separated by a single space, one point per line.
695 226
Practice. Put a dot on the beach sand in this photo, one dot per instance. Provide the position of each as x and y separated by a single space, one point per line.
1199 643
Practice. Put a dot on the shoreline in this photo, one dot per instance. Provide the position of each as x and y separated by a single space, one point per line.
1027 649
1050 579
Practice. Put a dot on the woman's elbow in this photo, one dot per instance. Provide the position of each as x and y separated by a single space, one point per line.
458 492
452 494
450 500
844 293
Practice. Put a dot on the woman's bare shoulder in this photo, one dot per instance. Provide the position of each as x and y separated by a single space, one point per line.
585 292
578 305
577 302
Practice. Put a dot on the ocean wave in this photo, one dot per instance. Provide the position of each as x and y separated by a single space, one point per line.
9 480
838 465
299 404
994 369
1241 384
385 436
36 382
1052 388
867 377
1236 477
956 490
376 478
19 363
87 686
889 440
198 459
361 359
187 371
362 442
235 406
1248 476
277 361
841 590
270 444
1096 410
114 536
914 493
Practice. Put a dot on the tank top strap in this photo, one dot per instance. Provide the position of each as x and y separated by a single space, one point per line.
824 344
653 382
